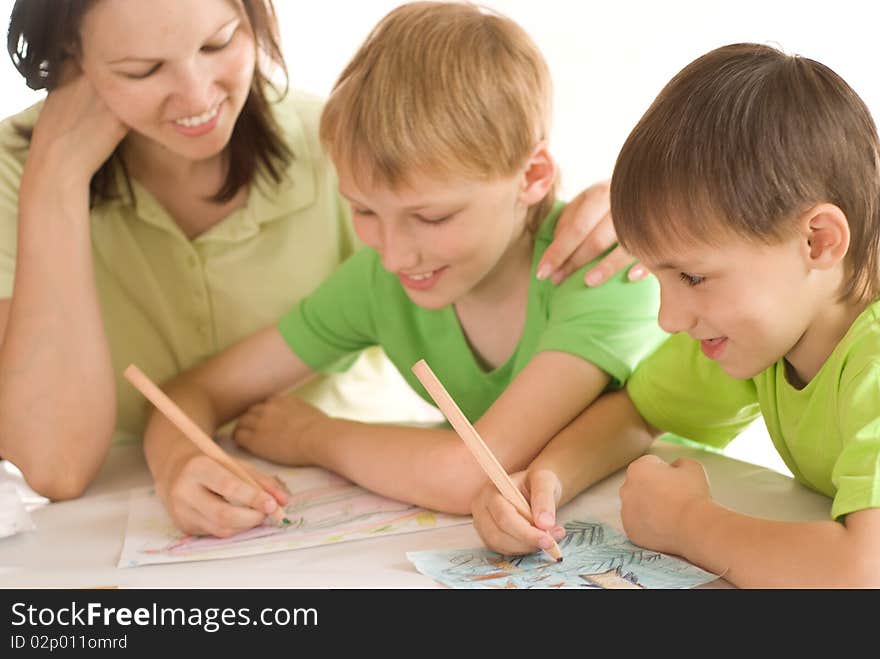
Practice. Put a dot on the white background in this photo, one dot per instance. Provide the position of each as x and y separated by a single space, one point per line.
608 61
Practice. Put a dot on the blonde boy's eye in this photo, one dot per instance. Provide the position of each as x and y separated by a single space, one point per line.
433 220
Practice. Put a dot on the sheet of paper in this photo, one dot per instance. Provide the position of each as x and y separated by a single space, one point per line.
14 517
323 509
594 556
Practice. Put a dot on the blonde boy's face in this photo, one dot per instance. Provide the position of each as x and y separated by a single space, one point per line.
749 305
443 239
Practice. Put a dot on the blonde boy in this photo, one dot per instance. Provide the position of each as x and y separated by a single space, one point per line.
751 188
439 130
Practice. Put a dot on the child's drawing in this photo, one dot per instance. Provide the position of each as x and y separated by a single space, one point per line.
594 556
323 508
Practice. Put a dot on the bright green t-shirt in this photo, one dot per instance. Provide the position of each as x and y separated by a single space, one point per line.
613 326
169 302
828 433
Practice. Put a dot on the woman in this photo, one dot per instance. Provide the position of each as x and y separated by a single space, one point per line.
163 202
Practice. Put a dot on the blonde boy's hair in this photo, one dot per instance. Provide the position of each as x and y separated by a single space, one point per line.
743 140
446 89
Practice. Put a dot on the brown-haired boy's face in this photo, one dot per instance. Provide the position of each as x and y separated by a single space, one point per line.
748 304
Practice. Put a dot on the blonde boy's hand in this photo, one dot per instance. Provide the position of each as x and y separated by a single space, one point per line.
203 498
656 498
504 530
279 429
584 231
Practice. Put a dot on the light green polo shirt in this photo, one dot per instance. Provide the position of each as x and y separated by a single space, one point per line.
613 326
169 302
828 433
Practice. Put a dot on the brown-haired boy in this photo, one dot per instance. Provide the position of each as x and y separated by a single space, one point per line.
751 189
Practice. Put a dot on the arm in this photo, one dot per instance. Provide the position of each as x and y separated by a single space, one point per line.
56 431
433 467
584 231
197 491
604 438
669 508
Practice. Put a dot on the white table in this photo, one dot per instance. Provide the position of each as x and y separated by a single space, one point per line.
77 543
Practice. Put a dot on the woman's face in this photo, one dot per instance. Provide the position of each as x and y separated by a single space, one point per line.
176 72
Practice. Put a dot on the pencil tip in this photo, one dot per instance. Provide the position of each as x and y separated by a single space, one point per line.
559 560
285 521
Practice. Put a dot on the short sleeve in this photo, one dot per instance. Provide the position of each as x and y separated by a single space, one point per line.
681 391
336 319
13 149
856 474
613 326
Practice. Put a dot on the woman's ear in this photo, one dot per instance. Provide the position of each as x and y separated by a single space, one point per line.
826 232
539 176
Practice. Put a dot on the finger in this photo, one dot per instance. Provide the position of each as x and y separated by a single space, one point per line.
638 272
545 492
272 485
242 435
689 465
233 489
515 531
578 219
223 519
616 260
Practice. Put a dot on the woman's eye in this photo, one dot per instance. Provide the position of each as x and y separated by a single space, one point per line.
145 74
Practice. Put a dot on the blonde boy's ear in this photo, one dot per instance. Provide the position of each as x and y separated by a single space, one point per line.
539 177
827 234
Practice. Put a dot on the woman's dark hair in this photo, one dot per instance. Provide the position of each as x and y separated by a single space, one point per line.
43 33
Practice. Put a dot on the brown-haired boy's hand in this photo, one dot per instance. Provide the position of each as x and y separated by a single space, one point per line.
504 530
656 498
584 231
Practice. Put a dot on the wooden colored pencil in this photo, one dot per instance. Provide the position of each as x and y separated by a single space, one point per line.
477 446
192 431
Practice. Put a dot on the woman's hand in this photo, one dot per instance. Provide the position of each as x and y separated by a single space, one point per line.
584 231
75 133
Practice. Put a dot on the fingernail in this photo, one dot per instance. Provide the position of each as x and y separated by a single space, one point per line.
558 533
543 272
545 542
269 506
595 278
636 273
545 520
558 278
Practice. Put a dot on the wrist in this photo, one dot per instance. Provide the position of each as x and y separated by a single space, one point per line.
314 437
50 167
693 523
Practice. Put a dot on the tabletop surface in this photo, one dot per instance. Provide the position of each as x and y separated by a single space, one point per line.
77 543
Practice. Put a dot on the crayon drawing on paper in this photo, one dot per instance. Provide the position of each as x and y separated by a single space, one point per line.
594 556
323 509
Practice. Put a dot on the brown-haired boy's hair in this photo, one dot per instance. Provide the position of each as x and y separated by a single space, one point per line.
43 33
446 89
746 138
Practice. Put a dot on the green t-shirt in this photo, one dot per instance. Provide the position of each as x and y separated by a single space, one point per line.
828 433
613 326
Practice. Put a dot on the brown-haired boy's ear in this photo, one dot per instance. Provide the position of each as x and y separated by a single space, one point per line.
826 230
539 177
